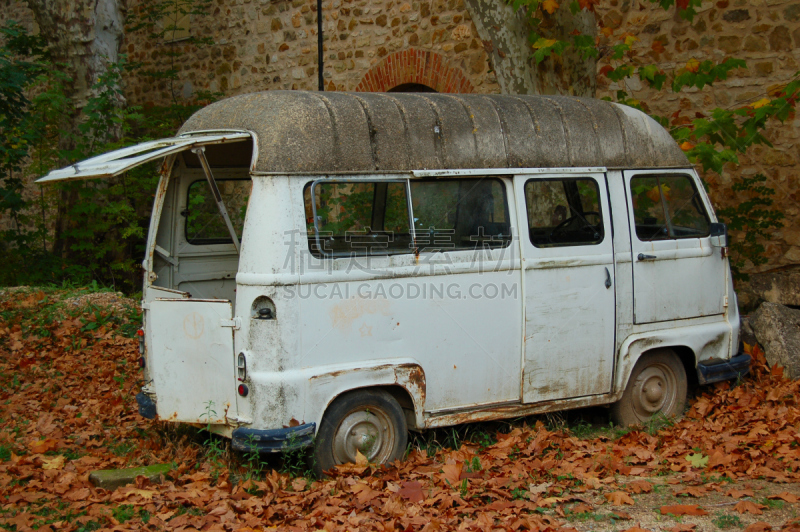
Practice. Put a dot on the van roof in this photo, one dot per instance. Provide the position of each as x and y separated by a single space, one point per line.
337 132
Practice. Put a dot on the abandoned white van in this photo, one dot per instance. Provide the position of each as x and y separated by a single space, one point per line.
342 268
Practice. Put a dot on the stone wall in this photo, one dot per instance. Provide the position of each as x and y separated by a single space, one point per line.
380 44
261 45
765 33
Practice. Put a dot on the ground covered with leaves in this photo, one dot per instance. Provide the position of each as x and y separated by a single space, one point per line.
69 373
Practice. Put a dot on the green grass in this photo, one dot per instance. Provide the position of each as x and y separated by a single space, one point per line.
727 521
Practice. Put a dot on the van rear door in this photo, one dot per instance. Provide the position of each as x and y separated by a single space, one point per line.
190 354
677 273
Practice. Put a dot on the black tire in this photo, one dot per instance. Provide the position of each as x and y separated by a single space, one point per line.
370 421
657 384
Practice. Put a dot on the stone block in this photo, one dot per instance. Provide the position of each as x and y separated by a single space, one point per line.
780 40
111 479
730 43
777 329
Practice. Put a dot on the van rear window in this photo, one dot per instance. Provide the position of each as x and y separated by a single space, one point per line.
360 218
667 207
204 223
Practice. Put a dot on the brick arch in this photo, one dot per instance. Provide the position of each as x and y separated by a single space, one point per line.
415 66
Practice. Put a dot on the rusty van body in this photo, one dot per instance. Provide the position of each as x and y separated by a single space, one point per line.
341 268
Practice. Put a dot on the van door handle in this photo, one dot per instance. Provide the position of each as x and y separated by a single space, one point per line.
608 279
642 256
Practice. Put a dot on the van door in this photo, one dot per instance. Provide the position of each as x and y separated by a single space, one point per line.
568 265
191 360
677 274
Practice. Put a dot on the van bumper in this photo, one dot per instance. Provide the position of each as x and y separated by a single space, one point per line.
147 407
274 440
723 370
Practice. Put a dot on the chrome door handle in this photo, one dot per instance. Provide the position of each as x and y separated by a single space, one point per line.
642 256
608 279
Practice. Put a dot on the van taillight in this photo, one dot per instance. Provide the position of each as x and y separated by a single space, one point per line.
241 367
140 334
243 390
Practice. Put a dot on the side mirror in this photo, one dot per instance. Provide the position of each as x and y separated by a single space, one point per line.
719 235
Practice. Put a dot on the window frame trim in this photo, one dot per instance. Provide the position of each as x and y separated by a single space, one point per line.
590 177
657 175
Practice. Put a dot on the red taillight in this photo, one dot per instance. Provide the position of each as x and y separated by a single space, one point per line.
140 332
141 362
243 390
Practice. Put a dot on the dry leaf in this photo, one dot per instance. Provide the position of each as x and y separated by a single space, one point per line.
692 491
683 527
412 491
639 486
618 498
683 509
361 460
749 507
738 494
786 496
758 526
54 463
550 6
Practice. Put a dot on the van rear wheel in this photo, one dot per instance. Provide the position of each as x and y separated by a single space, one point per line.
369 422
657 384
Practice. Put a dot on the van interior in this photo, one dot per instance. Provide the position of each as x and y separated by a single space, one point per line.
195 251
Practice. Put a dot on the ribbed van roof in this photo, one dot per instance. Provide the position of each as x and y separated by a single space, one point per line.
337 132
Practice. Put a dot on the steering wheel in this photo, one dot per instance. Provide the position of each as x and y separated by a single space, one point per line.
563 225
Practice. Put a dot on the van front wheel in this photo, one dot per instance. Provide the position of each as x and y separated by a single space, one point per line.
369 422
657 384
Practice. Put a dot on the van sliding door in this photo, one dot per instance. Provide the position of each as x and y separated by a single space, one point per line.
568 265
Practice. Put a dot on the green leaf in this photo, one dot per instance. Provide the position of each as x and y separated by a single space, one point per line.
697 460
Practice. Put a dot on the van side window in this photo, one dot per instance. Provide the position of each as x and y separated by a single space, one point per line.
204 223
458 214
358 218
564 212
667 207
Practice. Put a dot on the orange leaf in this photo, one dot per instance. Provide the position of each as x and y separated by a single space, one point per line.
451 473
686 146
693 65
749 507
683 509
640 486
658 47
618 498
683 527
605 70
412 491
619 514
738 494
692 491
588 5
42 446
550 6
786 496
636 529
758 526
608 32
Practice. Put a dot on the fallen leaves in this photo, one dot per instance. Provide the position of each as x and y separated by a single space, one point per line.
682 509
618 498
749 507
81 416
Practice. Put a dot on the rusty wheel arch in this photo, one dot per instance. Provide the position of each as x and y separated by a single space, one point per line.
687 358
400 394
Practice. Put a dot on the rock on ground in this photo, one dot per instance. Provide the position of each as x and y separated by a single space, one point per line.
782 287
777 329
